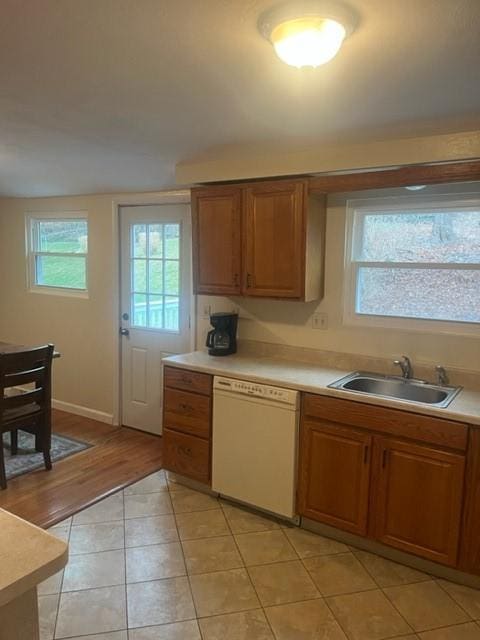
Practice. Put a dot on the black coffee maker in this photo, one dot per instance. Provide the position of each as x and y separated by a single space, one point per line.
222 339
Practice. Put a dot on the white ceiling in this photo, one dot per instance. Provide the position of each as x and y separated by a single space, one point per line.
108 95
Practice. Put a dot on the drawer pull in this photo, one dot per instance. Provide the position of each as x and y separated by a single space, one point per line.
186 450
365 454
385 458
185 407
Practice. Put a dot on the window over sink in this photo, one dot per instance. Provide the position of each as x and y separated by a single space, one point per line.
57 248
414 262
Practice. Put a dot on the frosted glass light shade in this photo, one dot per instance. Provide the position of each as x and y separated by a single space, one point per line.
308 42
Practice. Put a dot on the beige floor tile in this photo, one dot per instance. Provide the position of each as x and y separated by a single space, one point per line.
387 573
243 521
51 585
309 620
426 606
282 583
151 484
155 562
189 500
468 631
337 574
368 616
223 592
107 510
466 597
211 554
90 538
47 615
202 524
115 635
173 631
308 545
265 547
247 625
94 570
61 532
159 602
154 530
147 504
91 612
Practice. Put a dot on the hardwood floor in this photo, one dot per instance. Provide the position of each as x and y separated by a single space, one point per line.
119 457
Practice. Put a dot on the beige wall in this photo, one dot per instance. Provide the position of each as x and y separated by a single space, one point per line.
291 322
82 329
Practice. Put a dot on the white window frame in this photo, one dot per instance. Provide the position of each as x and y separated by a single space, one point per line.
388 206
31 252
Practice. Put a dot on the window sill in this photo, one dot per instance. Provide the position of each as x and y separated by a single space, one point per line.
414 325
59 291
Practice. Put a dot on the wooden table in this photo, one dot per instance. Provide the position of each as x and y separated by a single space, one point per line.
8 347
28 556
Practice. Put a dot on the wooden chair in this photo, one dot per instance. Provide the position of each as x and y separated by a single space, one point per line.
28 410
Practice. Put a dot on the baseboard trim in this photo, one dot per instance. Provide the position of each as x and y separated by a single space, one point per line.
85 412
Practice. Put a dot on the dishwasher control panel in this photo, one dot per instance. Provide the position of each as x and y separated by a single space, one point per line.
245 387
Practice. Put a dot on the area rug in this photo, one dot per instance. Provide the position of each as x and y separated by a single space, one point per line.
28 459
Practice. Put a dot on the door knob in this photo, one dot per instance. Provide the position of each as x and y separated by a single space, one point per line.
124 332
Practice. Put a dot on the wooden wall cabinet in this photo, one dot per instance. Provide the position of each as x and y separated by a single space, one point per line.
265 239
187 423
379 483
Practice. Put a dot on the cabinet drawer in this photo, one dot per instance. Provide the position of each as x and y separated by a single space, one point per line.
414 426
187 455
188 380
187 412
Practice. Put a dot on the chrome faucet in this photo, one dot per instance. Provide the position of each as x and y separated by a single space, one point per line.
442 376
406 367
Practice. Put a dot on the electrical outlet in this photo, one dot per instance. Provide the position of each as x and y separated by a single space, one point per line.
320 321
206 311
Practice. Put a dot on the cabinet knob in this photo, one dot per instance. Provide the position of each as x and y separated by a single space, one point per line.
185 407
249 280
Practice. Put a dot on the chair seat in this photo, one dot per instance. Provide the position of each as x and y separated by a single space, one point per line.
21 412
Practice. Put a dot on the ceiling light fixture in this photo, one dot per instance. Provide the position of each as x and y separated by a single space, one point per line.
309 33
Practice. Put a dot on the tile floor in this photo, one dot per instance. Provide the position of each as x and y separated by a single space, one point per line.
159 561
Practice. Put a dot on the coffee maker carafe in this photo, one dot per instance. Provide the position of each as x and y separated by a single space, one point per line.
222 339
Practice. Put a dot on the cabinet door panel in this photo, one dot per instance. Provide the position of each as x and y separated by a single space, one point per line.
216 217
335 475
419 499
274 242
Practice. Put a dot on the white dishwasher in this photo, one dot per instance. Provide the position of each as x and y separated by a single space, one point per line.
255 434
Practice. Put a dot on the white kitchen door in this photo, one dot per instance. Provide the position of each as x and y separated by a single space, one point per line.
156 292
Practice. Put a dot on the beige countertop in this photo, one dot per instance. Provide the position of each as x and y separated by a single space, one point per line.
311 378
28 556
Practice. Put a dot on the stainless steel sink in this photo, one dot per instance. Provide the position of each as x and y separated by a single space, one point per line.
411 390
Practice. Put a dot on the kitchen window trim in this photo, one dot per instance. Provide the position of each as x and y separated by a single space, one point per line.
31 254
392 206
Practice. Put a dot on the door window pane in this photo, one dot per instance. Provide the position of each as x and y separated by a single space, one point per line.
139 240
155 240
172 241
139 276
171 313
139 309
437 294
172 278
157 274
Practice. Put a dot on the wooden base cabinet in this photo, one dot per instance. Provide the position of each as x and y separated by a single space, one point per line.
187 423
335 476
405 494
418 499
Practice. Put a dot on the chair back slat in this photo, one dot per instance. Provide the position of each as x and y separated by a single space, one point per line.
20 368
25 377
26 397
